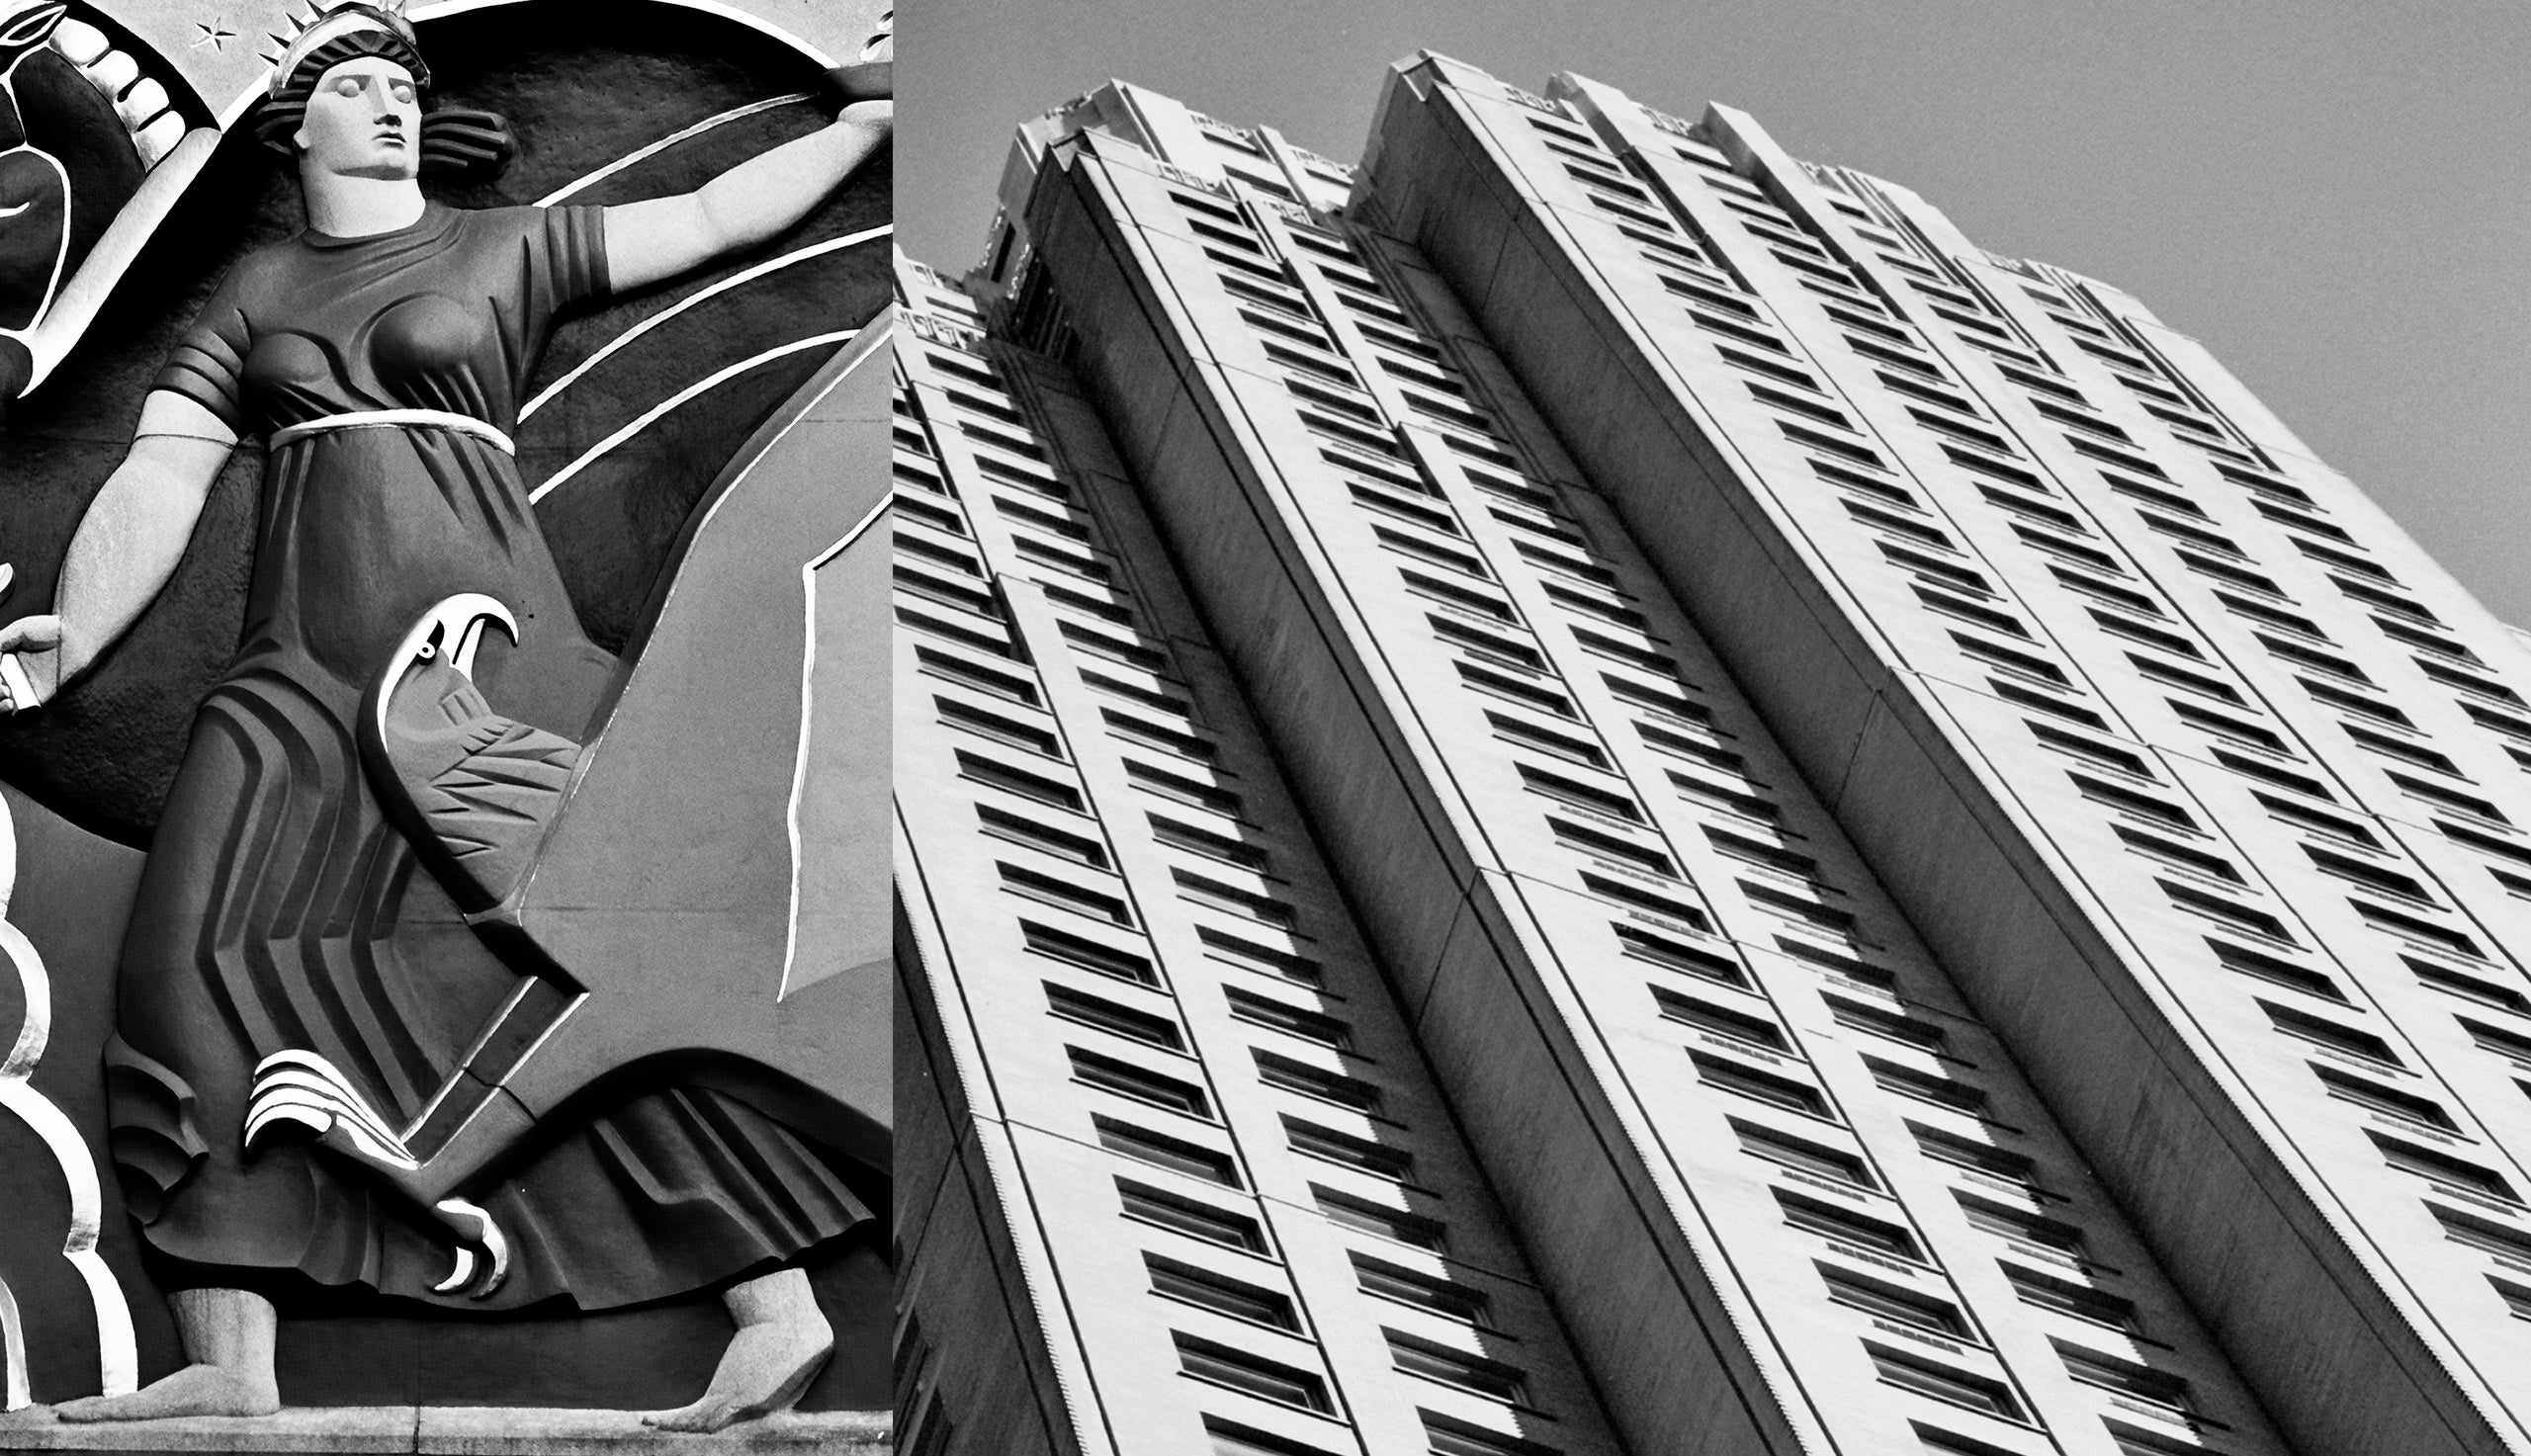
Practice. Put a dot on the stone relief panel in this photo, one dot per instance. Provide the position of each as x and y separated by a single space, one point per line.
445 875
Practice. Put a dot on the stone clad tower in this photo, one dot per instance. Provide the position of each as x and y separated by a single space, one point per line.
1955 889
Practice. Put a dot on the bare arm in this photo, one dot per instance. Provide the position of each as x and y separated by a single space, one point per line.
125 547
757 200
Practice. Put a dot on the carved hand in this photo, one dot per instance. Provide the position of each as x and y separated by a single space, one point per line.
29 662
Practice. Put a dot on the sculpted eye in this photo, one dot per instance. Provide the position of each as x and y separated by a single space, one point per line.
402 91
347 86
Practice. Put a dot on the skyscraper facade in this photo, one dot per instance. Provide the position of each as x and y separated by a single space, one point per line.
1931 879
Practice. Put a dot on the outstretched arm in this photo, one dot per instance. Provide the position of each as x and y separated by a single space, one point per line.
125 547
757 198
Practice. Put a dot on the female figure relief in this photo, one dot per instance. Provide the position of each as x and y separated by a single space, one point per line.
384 354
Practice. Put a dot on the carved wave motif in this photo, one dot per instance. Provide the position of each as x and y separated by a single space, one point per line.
117 1354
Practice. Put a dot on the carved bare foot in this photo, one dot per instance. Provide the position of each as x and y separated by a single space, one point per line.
229 1333
782 1343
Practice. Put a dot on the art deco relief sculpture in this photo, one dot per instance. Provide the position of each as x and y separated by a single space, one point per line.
355 1048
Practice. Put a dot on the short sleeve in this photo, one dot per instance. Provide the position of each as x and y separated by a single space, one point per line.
208 362
575 253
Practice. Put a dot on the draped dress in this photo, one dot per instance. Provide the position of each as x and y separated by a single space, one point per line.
280 908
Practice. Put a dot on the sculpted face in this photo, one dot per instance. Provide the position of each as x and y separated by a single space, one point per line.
365 120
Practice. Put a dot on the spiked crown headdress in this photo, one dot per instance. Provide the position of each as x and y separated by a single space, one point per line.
329 35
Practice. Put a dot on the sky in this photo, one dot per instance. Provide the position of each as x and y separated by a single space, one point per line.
2334 198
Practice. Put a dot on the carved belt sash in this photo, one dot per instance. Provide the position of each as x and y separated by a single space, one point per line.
389 419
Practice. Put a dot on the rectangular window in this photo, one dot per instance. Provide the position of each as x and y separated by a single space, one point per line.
1250 1374
1106 1015
976 675
2151 637
1801 1154
1363 1154
2269 967
2270 773
1674 955
2144 804
1191 1217
1091 955
1489 681
1978 1156
1055 891
2134 601
1881 520
1125 1080
1160 1150
2069 1297
2125 1377
1442 1297
1207 844
2023 697
1224 946
2484 1235
1625 893
1002 776
1721 1020
1665 742
1899 1305
2225 727
1183 788
2444 979
1229 1438
1476 1374
1748 806
2215 907
1883 1022
2382 917
1131 725
1002 823
1395 1224
2321 1031
1944 1381
2312 819
1207 890
1293 1075
1798 907
2439 1167
1762 1086
1580 795
2365 1093
1223 1295
1531 736
1447 1436
1610 846
2417 788
1265 1012
1647 659
1828 960
2098 752
2364 873
2211 865
2496 1038
2013 662
1758 852
1944 602
2180 677
1642 696
2008 1222
1925 1086
1844 1225
1939 1442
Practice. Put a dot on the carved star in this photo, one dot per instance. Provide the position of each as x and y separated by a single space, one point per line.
215 32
